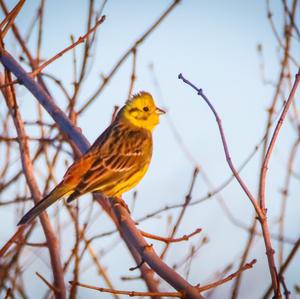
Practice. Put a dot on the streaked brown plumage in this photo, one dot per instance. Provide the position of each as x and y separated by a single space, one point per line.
117 160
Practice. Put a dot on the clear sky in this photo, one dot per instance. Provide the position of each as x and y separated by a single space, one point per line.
214 44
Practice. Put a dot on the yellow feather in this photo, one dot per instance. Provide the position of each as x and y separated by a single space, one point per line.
116 162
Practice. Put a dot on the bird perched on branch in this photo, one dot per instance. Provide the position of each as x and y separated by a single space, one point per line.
116 162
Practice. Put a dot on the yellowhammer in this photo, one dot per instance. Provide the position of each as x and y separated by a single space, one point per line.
117 160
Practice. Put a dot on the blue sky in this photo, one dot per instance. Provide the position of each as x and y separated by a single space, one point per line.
213 43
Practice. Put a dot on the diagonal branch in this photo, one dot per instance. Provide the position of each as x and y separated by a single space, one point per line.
80 40
132 49
285 265
52 241
168 294
67 128
9 20
264 167
260 211
127 225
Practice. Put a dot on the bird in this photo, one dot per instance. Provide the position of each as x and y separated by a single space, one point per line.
117 160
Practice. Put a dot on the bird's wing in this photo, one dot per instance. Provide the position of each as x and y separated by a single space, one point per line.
120 148
80 167
115 153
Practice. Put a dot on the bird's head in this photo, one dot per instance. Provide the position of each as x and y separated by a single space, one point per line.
141 111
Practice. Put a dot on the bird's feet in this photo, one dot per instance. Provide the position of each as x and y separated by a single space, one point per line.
119 201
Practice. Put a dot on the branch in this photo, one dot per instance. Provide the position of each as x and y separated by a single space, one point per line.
52 241
80 40
49 285
187 200
261 213
127 225
149 256
264 167
284 266
229 277
12 240
9 20
225 146
166 294
128 293
127 53
64 124
171 240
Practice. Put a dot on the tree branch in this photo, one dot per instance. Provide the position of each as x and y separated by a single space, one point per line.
126 223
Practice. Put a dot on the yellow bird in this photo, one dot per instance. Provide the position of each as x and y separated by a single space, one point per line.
116 162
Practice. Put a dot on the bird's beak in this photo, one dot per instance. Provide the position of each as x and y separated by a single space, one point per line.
160 111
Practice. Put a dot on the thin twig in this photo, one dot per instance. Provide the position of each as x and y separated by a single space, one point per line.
148 254
284 266
264 167
171 240
126 224
133 72
187 200
49 285
229 277
10 18
12 240
80 40
261 213
128 293
167 294
127 53
52 242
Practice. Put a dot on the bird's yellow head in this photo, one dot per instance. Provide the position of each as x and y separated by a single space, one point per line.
141 111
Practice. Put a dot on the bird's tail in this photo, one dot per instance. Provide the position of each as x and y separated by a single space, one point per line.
43 204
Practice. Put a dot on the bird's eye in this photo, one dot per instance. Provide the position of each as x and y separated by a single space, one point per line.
146 109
